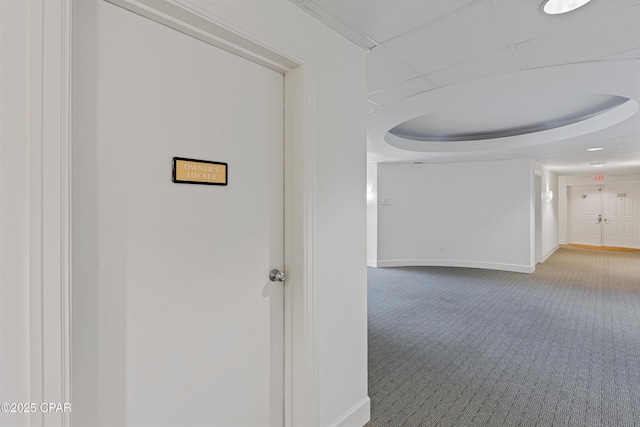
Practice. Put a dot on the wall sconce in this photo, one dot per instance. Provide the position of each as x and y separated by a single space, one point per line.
549 195
371 196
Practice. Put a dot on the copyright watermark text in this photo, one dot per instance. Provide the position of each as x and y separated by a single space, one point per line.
27 408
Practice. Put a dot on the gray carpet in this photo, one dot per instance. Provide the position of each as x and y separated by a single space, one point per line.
467 347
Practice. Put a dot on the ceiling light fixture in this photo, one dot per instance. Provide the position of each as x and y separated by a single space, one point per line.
598 164
556 7
595 149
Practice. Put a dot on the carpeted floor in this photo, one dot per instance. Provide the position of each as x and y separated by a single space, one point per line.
465 347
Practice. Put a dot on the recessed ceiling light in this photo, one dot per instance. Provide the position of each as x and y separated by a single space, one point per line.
595 149
597 164
556 7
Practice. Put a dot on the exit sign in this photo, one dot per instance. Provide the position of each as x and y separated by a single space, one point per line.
598 177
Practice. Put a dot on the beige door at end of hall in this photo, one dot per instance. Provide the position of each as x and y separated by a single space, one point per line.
585 215
190 329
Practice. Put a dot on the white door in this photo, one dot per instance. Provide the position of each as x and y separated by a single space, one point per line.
585 215
620 216
175 320
605 215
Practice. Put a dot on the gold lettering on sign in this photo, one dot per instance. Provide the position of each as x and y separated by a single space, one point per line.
199 172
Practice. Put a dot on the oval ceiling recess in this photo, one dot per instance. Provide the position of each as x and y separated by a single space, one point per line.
505 117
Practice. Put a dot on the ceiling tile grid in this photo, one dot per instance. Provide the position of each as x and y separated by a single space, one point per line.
588 41
371 106
384 70
501 61
383 20
401 91
628 54
524 20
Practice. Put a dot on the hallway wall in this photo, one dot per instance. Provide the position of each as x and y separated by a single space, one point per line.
549 211
372 214
14 210
463 214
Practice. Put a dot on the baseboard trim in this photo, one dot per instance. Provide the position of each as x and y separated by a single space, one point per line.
372 263
517 268
551 252
357 416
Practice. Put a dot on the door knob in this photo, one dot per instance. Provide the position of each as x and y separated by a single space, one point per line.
599 219
276 275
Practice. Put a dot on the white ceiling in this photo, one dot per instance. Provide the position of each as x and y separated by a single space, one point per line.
444 61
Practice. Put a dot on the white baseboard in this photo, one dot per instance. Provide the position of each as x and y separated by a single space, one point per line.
518 268
545 257
357 416
372 263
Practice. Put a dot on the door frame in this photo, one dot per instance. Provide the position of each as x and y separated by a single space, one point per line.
570 189
50 177
537 205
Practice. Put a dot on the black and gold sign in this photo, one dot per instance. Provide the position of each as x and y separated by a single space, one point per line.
192 171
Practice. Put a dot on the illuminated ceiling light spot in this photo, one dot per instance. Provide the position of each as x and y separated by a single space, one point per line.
556 7
598 164
595 149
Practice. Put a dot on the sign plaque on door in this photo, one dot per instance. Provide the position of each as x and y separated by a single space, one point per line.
192 171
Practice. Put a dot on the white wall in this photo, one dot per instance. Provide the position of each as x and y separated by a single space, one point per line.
372 214
339 218
14 213
464 214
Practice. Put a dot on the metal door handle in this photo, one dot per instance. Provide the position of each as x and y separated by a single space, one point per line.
599 219
276 275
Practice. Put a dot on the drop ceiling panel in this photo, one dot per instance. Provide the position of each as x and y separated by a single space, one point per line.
441 160
458 37
383 20
629 149
581 146
601 37
531 152
494 63
477 157
384 70
587 158
550 155
524 20
400 91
